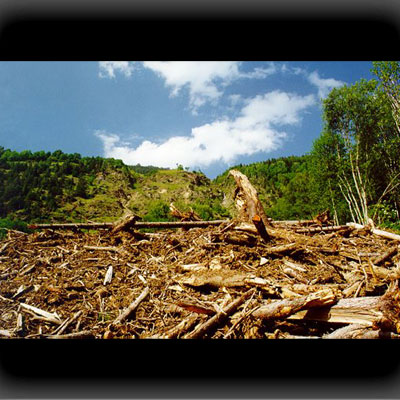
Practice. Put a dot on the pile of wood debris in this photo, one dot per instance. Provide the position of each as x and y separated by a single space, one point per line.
246 278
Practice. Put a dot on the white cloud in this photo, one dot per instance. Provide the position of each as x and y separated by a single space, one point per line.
324 85
204 79
199 77
254 130
108 68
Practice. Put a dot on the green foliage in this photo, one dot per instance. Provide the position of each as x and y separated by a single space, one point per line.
358 150
7 223
158 211
34 185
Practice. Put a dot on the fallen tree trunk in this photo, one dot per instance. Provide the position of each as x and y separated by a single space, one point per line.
73 335
322 229
368 311
388 254
358 331
138 225
378 232
286 307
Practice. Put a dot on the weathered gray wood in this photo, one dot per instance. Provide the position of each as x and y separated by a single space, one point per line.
322 229
50 317
359 310
246 199
6 333
378 232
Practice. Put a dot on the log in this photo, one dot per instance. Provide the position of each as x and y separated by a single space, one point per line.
246 199
213 323
322 229
378 232
286 307
124 225
132 307
74 335
282 248
178 330
358 331
302 222
239 238
138 225
359 310
388 254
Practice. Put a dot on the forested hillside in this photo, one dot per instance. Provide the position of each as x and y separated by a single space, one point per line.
353 168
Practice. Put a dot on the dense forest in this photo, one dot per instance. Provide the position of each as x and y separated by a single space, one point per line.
353 168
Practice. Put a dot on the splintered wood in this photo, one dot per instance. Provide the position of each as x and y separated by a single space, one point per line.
237 279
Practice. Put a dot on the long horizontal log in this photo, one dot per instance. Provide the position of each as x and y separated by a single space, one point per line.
357 331
73 335
138 225
378 232
322 229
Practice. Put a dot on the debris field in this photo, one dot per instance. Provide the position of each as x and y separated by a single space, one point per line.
234 280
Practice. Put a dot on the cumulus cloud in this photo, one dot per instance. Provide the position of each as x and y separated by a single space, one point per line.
256 129
204 80
200 78
107 69
324 86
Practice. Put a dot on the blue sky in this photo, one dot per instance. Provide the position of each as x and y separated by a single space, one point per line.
203 115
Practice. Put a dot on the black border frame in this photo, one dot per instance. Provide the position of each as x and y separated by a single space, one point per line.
199 31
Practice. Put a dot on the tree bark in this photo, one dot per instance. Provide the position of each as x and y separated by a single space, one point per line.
358 310
286 307
246 199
